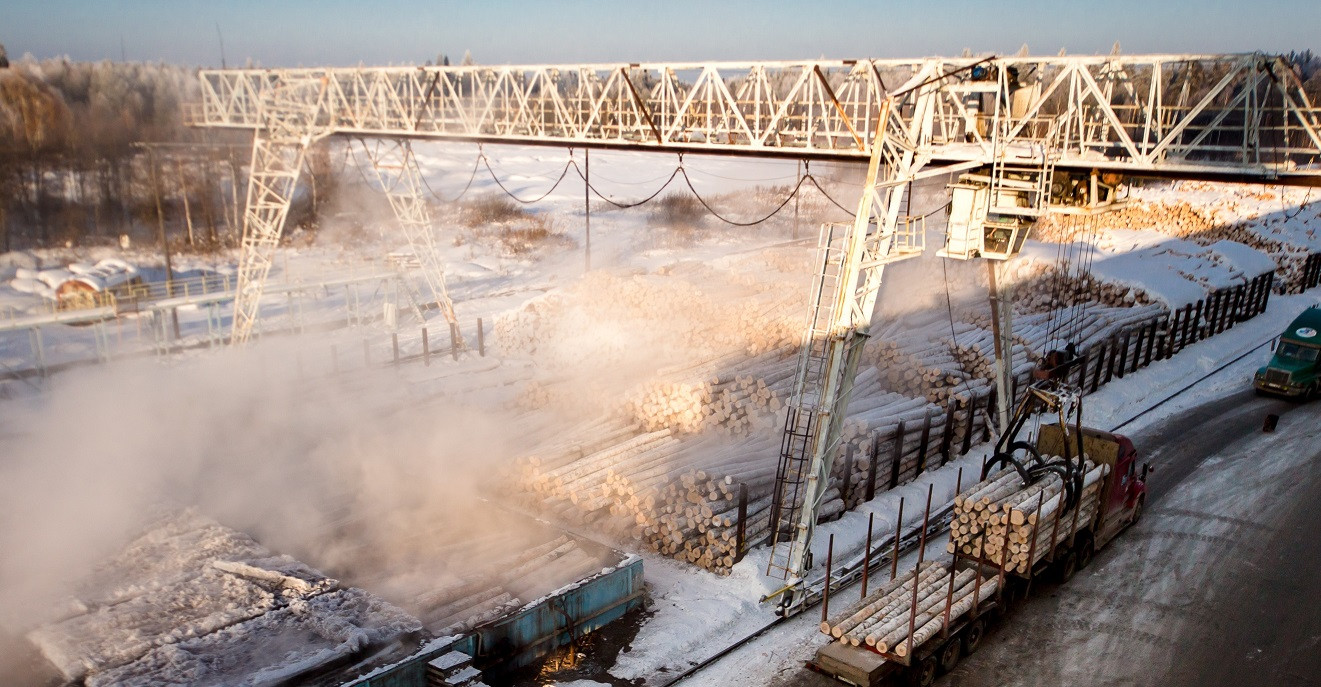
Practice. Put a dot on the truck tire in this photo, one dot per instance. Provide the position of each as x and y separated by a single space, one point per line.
972 636
923 673
1137 510
1086 551
1068 565
950 654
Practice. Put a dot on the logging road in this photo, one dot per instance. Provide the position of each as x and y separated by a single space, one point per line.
1212 588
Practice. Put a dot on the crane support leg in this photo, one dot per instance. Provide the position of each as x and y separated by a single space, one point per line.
401 179
276 164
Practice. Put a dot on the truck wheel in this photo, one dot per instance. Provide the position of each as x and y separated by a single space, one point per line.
1137 510
972 637
923 673
950 655
1068 565
1086 551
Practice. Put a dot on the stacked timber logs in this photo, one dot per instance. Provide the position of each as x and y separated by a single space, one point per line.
734 392
1043 287
1004 522
974 348
672 306
1086 327
918 600
917 361
1268 222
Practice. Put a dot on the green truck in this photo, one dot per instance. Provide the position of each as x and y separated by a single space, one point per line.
1295 369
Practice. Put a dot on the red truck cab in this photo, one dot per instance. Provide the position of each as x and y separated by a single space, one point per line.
1124 491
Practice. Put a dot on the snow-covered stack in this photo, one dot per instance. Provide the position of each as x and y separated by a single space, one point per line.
191 597
734 392
1042 286
607 317
697 518
917 361
1004 522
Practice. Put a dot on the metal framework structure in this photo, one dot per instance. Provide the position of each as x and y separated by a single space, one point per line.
396 169
1234 117
1018 122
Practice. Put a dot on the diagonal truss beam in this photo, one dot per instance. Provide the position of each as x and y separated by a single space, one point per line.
401 180
1144 114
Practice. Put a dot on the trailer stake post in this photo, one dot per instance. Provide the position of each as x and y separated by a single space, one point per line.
825 594
898 532
866 556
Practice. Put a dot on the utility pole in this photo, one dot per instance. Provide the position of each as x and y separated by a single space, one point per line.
160 226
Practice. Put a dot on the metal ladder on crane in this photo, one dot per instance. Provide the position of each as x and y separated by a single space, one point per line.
803 412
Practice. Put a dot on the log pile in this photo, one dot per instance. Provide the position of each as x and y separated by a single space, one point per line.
1086 327
698 312
882 619
918 362
698 521
1003 522
734 392
1236 216
1041 286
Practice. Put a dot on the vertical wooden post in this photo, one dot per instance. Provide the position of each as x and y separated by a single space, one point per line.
866 555
426 347
968 427
741 543
1151 341
481 339
897 455
947 436
394 344
1113 347
898 534
587 210
923 445
454 341
825 594
871 466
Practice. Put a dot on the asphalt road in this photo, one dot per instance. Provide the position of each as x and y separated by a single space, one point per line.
1211 589
1191 596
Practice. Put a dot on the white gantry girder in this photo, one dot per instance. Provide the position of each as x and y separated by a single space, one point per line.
1241 116
401 180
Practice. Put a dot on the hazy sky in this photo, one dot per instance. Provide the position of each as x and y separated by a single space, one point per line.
338 32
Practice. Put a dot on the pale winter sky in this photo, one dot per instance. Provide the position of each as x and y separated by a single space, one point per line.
338 32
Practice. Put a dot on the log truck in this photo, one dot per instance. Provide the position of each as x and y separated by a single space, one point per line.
1058 449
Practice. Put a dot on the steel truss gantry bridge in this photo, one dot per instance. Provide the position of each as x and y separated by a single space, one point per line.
1243 117
1233 117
